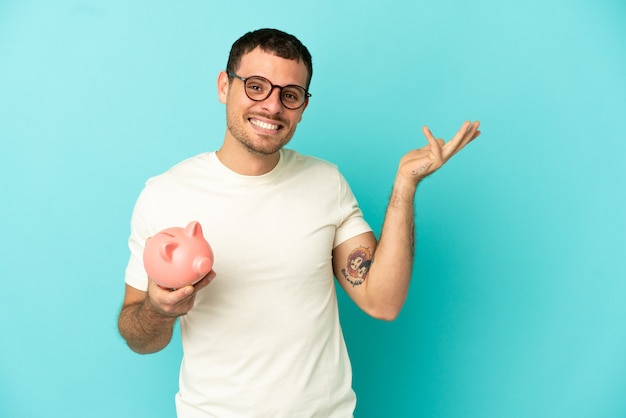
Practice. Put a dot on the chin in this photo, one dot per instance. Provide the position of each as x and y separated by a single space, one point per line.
267 145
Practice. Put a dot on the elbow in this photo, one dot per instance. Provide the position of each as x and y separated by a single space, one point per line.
142 346
138 339
385 309
386 313
143 349
388 316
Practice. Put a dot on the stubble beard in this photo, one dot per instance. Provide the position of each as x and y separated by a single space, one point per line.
256 144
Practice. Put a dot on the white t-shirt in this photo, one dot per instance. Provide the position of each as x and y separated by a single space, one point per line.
263 339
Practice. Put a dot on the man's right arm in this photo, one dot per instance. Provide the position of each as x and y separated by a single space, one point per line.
147 319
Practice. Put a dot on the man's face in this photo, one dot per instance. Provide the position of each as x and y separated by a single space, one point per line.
264 127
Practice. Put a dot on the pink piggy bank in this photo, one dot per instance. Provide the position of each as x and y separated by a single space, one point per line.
178 257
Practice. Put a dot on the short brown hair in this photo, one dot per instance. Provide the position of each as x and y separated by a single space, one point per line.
274 41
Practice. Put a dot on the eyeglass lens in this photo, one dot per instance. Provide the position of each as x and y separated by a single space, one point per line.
259 88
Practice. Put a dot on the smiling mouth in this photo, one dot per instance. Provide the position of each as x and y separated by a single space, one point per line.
265 125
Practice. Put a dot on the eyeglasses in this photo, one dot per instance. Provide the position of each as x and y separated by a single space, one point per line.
259 88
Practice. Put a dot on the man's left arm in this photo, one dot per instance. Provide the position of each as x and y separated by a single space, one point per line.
377 275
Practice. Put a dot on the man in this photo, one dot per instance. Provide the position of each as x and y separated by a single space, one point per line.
263 339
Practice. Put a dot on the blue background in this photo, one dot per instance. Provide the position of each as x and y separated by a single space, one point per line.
518 301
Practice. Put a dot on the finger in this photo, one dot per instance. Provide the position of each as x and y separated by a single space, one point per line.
160 298
436 145
429 136
463 136
476 135
436 150
471 134
174 296
463 132
474 127
204 282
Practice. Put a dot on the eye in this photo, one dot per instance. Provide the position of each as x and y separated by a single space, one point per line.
292 95
256 86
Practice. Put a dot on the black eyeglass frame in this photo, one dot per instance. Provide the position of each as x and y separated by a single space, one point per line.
273 86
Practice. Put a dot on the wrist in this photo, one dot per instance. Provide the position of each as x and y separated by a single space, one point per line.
404 190
156 314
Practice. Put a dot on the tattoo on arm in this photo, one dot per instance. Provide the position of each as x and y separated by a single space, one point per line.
358 265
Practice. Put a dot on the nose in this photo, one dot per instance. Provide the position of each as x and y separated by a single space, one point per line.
272 103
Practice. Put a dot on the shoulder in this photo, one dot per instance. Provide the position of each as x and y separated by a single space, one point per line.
299 162
185 169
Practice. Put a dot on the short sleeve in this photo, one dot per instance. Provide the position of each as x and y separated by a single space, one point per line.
353 223
140 231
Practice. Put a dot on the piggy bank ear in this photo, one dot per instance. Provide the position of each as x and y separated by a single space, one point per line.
167 251
193 229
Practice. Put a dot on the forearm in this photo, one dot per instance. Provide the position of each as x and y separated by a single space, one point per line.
390 273
145 330
383 292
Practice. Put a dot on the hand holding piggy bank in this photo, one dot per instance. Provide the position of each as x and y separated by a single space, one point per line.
178 257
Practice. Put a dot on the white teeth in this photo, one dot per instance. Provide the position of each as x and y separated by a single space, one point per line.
264 125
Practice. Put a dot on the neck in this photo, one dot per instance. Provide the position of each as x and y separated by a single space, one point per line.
246 162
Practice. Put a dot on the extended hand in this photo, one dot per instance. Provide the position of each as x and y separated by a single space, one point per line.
422 162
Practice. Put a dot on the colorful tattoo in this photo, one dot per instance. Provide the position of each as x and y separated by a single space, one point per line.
359 262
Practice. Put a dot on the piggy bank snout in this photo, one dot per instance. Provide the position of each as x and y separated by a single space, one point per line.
202 265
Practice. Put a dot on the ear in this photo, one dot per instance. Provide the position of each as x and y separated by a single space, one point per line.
193 229
167 251
223 83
